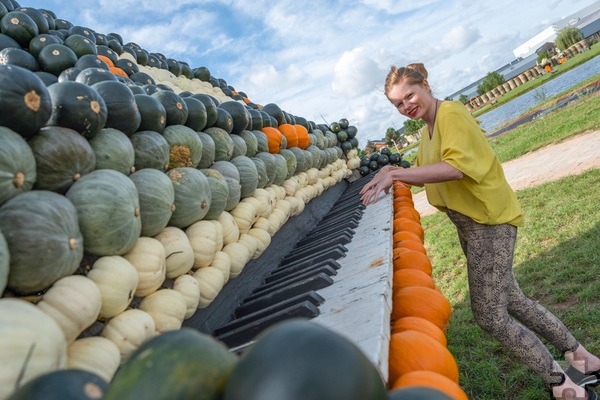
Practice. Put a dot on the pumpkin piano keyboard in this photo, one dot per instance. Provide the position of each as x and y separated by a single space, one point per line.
332 263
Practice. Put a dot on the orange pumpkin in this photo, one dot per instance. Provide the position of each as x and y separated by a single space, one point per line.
406 224
303 138
402 191
412 277
416 351
406 235
421 325
432 380
274 139
289 131
423 302
405 212
107 60
118 71
411 259
411 245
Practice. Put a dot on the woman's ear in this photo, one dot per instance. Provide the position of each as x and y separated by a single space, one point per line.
426 85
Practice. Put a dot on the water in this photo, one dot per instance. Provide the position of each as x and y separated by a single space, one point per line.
494 119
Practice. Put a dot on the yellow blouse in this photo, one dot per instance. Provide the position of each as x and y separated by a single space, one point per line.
483 193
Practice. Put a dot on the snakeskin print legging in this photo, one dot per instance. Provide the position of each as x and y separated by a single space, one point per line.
498 304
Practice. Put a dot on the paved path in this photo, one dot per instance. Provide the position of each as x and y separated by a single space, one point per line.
569 157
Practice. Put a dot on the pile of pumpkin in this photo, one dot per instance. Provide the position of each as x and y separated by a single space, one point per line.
378 159
132 188
418 353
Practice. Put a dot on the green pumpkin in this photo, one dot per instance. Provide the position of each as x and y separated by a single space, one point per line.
152 112
301 360
122 110
251 143
301 165
417 393
219 193
62 384
292 162
239 146
223 143
185 146
318 156
44 239
62 157
108 208
261 168
248 175
232 177
151 150
281 169
113 150
17 165
157 199
208 150
261 140
270 165
192 196
4 263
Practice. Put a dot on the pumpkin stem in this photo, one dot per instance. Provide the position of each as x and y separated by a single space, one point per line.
180 156
72 243
76 177
137 212
92 391
95 106
19 179
32 100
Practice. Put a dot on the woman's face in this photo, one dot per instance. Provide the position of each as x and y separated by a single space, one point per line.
411 100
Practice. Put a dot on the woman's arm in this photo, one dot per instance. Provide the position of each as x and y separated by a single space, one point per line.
433 173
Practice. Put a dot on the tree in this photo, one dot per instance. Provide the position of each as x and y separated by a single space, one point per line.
567 37
463 98
491 80
542 55
393 137
412 127
370 148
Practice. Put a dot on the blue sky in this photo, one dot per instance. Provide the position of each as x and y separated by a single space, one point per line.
325 59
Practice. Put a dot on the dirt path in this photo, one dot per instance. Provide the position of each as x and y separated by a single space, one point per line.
569 157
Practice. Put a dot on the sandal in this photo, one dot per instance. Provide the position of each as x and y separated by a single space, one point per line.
581 379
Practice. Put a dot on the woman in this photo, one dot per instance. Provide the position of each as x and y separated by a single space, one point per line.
464 178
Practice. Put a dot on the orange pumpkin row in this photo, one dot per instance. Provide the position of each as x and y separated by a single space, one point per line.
418 355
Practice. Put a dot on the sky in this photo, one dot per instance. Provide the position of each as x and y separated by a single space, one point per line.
325 59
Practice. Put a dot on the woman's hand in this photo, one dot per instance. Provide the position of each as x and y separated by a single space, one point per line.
372 194
378 176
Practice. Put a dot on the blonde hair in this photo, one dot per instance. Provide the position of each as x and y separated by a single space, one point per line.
414 73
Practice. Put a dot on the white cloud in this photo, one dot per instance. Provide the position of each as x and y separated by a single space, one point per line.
356 74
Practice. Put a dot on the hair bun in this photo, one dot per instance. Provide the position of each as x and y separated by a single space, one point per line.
419 67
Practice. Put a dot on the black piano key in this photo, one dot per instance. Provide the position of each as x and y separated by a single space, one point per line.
343 237
335 252
298 276
300 266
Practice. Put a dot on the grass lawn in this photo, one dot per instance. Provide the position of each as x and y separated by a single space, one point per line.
557 261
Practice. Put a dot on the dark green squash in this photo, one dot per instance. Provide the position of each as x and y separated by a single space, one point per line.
83 31
240 117
17 165
19 26
223 143
261 140
90 61
4 263
69 74
176 108
251 143
78 107
210 106
113 150
281 169
7 41
81 45
261 169
62 156
20 58
417 393
257 123
292 162
195 366
108 209
44 239
152 112
55 58
37 17
185 146
104 50
192 196
46 77
90 76
123 113
302 360
128 66
196 114
224 120
142 78
151 150
208 150
40 41
239 146
219 193
25 102
248 175
72 384
270 165
157 199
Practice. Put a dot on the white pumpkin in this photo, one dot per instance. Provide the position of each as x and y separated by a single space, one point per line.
222 262
262 223
290 186
258 206
149 259
96 354
74 302
263 240
240 255
117 281
250 242
178 251
206 238
188 287
244 215
267 201
294 204
313 176
129 330
211 282
166 307
231 232
31 344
